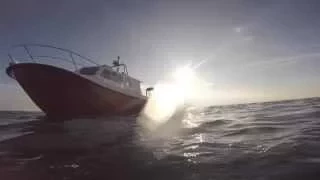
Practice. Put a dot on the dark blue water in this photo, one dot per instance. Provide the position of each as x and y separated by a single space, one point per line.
275 140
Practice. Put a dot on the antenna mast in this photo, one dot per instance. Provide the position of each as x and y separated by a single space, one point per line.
118 62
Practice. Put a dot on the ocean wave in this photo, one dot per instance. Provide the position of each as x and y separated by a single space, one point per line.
272 140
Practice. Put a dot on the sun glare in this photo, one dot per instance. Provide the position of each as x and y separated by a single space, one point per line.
184 80
169 96
184 75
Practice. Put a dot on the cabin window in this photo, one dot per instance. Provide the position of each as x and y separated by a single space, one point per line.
114 76
129 83
106 74
89 70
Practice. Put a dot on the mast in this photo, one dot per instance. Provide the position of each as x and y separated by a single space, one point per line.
116 63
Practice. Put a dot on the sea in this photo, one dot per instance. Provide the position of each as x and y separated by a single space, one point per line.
270 140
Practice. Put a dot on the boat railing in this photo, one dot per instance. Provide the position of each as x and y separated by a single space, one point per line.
34 53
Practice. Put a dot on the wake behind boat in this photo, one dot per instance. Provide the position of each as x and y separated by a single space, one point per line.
87 90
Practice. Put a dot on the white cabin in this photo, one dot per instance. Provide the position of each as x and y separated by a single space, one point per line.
112 78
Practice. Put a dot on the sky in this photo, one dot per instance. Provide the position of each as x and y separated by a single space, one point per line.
251 50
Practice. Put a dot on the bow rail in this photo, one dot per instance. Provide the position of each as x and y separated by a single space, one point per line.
71 57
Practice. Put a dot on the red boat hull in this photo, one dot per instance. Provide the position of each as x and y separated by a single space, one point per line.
62 93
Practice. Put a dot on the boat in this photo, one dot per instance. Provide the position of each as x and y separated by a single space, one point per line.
87 89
